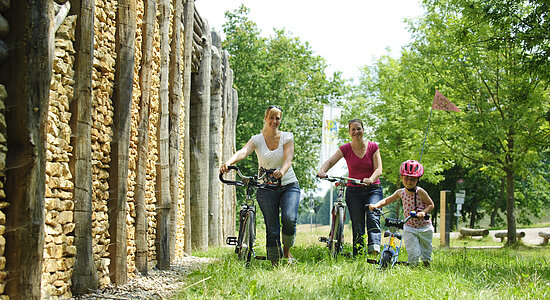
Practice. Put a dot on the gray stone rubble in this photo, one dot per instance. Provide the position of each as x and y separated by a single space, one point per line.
158 284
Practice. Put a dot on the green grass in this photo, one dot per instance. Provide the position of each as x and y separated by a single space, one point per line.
462 273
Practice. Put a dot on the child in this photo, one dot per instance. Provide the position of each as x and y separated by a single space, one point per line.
417 232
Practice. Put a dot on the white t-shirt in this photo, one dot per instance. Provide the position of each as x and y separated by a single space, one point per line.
273 159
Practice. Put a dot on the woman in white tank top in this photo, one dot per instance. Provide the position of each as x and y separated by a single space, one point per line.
274 150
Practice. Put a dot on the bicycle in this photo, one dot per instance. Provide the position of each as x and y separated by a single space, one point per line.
335 238
244 243
390 253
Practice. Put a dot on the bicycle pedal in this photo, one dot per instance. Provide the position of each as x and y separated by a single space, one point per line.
260 257
323 239
231 240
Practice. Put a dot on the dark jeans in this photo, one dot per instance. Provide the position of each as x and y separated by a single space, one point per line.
271 201
356 198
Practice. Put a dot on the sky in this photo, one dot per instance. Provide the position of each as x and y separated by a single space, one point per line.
349 34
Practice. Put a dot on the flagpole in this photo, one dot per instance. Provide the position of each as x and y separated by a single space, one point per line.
426 135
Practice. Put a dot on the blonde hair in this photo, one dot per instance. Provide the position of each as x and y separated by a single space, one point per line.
271 110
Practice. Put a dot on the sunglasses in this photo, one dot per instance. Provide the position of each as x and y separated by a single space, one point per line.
275 106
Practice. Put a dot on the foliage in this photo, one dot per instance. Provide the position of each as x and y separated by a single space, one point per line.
481 55
279 70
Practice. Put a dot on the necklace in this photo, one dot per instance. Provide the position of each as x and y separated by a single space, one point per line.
272 137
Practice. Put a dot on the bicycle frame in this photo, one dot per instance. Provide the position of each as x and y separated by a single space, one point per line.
248 208
335 239
390 252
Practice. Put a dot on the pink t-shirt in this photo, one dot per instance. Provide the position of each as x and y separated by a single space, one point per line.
409 205
360 167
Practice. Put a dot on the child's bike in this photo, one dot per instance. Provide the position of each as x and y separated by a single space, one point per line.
390 253
244 243
335 238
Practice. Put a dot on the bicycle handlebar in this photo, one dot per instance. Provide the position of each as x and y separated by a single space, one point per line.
342 179
249 180
412 214
231 182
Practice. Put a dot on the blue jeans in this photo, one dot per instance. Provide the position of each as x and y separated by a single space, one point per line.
285 199
356 198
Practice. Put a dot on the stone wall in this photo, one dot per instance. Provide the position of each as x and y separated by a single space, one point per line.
59 210
4 29
59 250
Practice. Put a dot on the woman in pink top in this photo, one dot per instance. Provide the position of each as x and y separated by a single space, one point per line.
364 163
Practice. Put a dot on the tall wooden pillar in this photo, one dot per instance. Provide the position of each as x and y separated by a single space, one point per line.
118 171
85 273
27 74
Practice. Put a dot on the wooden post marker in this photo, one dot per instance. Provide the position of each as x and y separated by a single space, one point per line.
442 212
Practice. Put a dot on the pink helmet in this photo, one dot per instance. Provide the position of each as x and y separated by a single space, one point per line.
411 168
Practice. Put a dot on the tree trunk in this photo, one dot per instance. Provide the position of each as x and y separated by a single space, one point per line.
163 170
510 203
214 204
29 70
147 32
175 104
189 13
118 171
85 275
473 213
501 199
199 143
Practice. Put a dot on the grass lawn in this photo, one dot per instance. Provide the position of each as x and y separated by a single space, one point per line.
459 273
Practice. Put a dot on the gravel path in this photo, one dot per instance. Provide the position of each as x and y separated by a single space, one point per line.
158 284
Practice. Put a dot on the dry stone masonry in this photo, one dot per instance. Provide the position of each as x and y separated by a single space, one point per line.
56 237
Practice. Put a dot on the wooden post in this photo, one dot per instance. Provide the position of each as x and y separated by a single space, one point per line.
199 135
174 124
228 150
189 12
162 192
214 204
142 247
28 76
85 276
442 212
118 171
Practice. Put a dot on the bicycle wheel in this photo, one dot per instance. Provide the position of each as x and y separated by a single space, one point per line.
385 261
244 232
251 237
337 238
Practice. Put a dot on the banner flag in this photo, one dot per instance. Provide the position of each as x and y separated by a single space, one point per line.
329 142
442 103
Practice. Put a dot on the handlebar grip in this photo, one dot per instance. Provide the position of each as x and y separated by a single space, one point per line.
230 182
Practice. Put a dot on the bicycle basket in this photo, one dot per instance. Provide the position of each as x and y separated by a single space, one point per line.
390 222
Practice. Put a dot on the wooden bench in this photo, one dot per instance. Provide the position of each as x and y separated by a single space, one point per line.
474 232
504 235
545 236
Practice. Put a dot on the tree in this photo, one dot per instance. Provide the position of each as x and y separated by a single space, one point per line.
485 68
284 71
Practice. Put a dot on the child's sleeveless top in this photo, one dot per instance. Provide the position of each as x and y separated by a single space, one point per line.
409 205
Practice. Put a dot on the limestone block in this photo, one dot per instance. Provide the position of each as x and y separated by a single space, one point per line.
51 217
68 228
50 265
2 262
53 251
3 95
69 250
53 230
52 203
2 287
2 218
2 229
65 217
